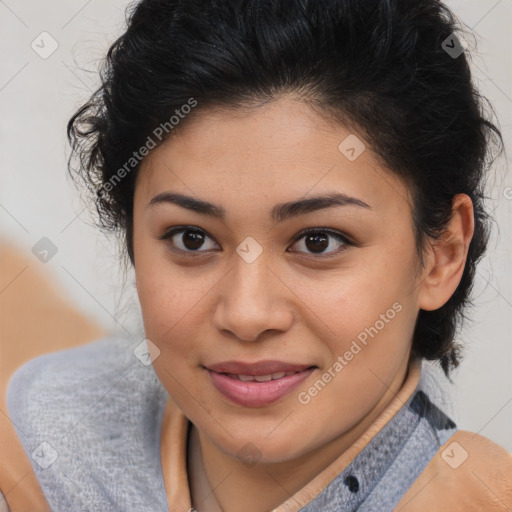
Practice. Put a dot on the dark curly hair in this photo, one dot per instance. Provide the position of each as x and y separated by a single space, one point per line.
392 70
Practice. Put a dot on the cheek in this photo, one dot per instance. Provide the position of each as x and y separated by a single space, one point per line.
367 318
169 315
164 291
346 303
174 305
163 301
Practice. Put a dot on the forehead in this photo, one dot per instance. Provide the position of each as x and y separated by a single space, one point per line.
277 152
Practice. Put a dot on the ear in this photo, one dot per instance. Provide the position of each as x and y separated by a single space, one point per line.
447 256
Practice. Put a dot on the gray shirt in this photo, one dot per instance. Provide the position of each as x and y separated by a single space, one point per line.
89 419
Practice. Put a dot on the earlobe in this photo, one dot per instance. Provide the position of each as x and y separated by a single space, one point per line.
447 257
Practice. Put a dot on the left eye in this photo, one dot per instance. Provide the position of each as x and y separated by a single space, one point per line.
318 240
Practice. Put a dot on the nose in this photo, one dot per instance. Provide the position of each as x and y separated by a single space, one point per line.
253 301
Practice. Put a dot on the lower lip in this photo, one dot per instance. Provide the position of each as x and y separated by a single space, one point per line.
257 394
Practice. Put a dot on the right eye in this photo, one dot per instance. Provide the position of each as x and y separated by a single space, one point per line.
186 239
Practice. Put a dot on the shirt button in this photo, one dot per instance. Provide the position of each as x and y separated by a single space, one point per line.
352 483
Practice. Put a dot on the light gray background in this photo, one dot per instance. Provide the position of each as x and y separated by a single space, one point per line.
39 95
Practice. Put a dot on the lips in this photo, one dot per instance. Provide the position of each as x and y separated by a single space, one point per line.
257 384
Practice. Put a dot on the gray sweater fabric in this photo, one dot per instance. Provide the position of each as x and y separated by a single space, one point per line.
89 419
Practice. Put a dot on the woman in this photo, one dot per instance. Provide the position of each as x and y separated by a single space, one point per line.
299 186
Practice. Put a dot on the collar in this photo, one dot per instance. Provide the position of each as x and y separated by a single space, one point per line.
174 434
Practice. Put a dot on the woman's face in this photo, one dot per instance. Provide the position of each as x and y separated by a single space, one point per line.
246 289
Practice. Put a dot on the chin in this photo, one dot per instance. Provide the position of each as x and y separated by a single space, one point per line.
260 448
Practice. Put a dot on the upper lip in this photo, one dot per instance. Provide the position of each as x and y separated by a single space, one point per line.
258 368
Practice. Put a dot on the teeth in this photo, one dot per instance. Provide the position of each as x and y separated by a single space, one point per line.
246 377
263 378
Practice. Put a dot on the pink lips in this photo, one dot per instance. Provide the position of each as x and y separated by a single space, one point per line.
253 393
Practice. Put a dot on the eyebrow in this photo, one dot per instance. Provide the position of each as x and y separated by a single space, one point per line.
280 212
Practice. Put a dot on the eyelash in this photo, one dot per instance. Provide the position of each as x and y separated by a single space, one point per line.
197 254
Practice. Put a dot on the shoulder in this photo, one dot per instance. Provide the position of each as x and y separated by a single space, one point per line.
93 406
79 374
469 472
52 391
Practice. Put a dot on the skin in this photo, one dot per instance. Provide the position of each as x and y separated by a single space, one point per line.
285 305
